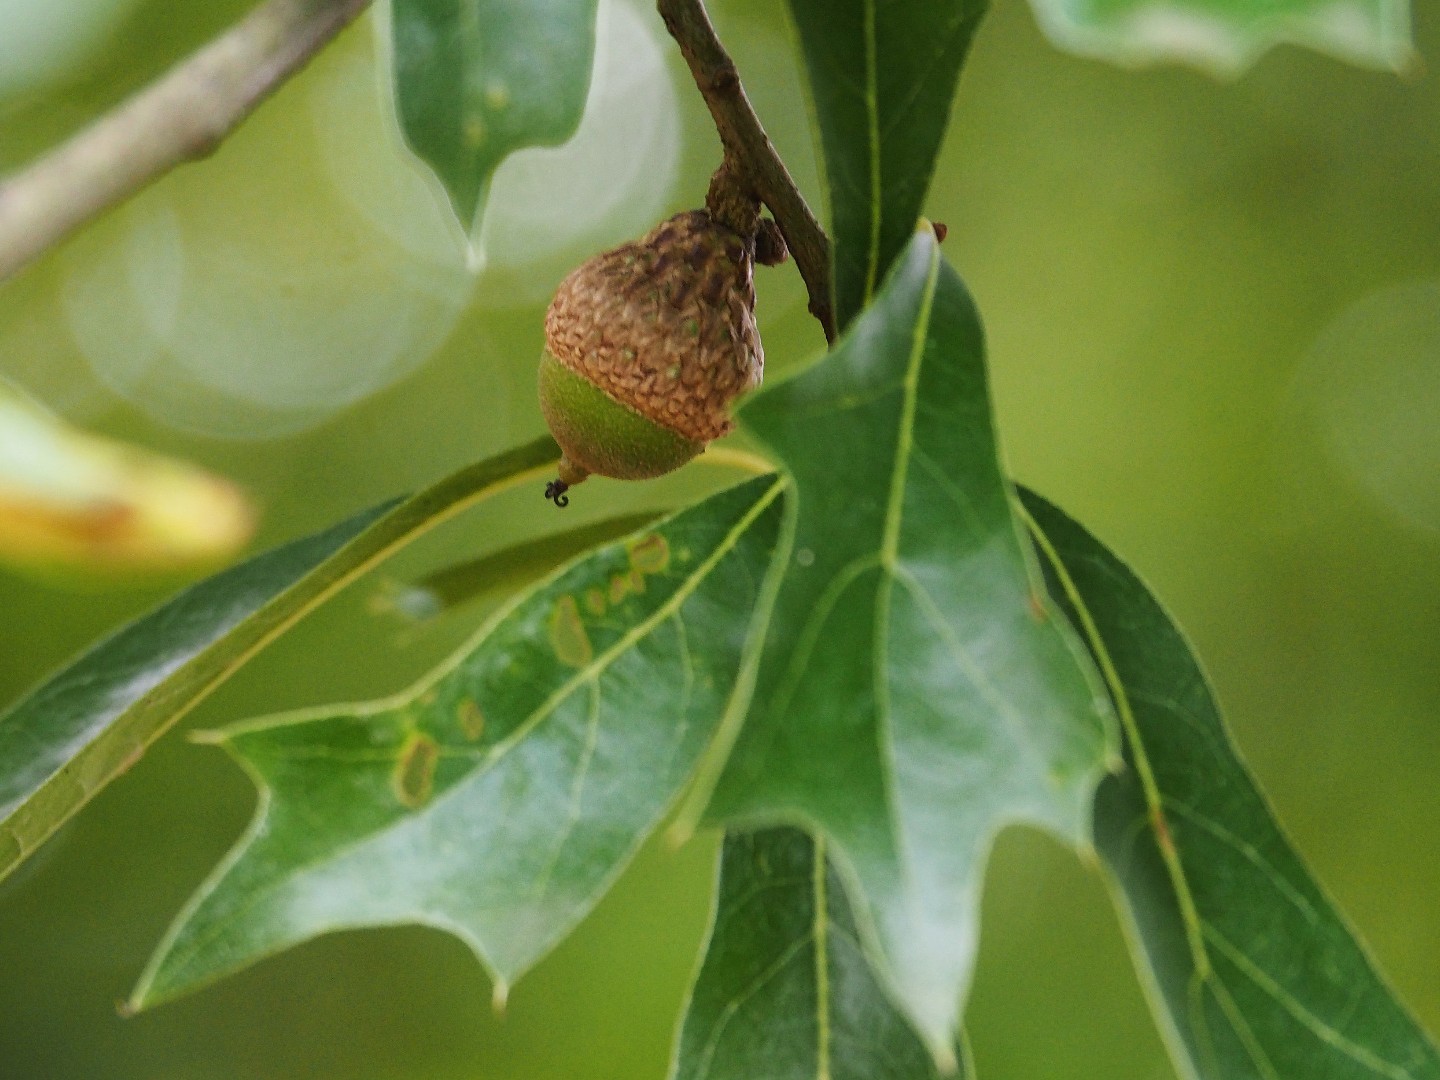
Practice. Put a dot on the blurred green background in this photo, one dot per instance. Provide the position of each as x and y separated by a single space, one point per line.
1214 316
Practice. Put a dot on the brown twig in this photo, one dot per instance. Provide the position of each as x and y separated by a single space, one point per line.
747 145
188 112
182 116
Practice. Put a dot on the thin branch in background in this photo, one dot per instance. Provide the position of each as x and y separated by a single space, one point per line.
187 113
181 117
750 148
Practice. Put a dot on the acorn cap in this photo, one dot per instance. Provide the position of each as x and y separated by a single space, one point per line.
665 325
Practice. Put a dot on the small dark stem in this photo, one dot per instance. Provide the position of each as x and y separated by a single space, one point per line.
770 249
555 492
749 152
731 201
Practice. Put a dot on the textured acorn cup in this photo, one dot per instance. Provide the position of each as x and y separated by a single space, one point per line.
646 348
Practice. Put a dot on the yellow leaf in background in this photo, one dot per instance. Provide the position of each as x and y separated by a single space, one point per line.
74 501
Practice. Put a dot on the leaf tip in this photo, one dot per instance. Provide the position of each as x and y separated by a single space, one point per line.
946 1063
500 997
464 190
468 199
1409 64
679 834
127 1008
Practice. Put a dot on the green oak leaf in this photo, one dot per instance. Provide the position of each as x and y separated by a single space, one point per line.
918 692
1226 36
883 77
502 795
476 80
1255 975
502 572
786 991
86 724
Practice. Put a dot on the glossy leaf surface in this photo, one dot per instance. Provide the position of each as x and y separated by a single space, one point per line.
883 77
80 729
917 693
1255 972
476 80
506 570
501 796
786 991
1224 36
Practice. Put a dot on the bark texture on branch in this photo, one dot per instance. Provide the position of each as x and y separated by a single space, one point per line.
750 149
186 114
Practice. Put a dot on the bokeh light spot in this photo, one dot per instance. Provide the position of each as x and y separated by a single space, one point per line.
1370 385
244 299
551 207
42 41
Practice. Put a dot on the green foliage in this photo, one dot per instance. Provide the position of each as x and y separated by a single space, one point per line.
507 570
786 990
1256 974
883 77
477 81
499 797
77 731
917 692
1225 36
88 722
857 664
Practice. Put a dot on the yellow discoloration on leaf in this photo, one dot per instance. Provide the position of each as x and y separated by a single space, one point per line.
650 553
567 634
473 130
471 719
595 601
497 96
619 588
414 777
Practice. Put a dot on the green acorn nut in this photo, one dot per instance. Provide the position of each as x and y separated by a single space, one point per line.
646 348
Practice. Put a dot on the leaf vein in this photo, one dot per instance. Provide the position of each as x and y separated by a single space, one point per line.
1246 851
727 1014
683 591
1287 1001
872 117
967 664
901 110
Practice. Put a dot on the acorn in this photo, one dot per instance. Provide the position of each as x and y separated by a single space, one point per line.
647 347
